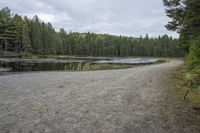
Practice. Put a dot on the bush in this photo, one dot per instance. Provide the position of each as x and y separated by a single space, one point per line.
192 78
193 61
193 58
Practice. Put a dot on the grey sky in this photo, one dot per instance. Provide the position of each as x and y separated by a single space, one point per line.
125 17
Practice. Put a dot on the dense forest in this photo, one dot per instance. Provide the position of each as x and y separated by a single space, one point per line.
185 15
24 35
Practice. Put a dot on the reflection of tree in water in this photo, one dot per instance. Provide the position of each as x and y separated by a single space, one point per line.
30 66
24 65
16 66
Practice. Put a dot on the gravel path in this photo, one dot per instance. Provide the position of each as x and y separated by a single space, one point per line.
112 101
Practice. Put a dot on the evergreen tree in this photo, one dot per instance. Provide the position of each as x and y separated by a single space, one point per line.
7 31
26 41
37 37
185 16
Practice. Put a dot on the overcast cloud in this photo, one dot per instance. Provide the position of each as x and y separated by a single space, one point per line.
125 17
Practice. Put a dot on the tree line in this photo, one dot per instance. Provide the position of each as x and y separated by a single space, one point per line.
36 37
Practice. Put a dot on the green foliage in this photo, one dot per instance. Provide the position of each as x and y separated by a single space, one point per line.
36 37
26 41
160 61
174 10
192 78
185 15
193 58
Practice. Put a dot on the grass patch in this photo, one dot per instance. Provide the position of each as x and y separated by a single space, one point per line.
91 67
192 78
184 79
30 56
160 61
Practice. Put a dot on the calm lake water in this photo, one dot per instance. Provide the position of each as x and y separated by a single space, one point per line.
25 65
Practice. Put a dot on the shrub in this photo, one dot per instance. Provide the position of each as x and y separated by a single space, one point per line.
193 58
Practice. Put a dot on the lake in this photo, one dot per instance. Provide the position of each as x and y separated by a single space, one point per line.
70 64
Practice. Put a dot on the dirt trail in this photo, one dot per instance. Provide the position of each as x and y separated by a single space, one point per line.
132 100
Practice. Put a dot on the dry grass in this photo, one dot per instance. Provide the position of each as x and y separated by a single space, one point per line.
181 81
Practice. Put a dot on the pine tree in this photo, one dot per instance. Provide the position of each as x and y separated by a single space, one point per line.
185 15
36 35
7 31
26 41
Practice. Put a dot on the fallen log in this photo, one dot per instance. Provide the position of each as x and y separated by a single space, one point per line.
184 97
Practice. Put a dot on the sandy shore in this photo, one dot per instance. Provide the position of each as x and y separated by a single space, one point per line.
132 100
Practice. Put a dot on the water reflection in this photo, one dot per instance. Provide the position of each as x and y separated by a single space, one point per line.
129 61
24 66
21 65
